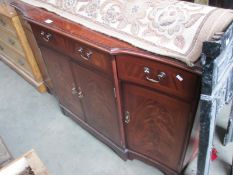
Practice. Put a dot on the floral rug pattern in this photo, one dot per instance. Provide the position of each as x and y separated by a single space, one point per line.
166 27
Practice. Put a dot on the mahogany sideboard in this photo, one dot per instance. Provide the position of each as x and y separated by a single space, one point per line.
109 88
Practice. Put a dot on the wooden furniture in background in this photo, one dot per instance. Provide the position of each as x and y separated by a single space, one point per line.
15 50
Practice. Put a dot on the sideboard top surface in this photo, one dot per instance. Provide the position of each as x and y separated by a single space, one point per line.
95 39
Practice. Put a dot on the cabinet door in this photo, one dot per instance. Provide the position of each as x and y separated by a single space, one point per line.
98 101
59 70
157 124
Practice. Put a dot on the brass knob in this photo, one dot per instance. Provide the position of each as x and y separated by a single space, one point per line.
11 41
127 117
89 54
77 92
80 93
21 62
80 50
1 48
3 23
42 33
74 91
46 36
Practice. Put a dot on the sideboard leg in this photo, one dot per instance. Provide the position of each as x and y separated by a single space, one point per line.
207 122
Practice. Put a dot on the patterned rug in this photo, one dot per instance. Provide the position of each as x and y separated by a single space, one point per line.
166 27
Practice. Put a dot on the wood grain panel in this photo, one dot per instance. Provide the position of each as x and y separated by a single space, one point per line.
77 50
63 83
99 102
97 58
158 124
176 82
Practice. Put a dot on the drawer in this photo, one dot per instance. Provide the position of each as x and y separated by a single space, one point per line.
93 57
15 57
6 24
159 76
10 40
75 49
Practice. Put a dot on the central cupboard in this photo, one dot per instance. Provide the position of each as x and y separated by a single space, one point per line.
88 94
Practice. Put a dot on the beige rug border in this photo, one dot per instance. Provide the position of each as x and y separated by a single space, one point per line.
189 59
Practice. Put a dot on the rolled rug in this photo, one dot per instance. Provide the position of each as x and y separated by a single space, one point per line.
166 27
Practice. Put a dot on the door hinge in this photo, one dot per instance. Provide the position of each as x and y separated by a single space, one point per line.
127 117
114 91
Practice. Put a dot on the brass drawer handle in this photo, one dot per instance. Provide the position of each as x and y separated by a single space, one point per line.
2 22
127 117
21 62
1 48
78 92
89 54
159 77
46 36
11 41
85 55
74 91
81 50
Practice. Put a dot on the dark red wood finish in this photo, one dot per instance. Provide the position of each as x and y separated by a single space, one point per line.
71 76
176 82
158 124
71 47
111 82
98 101
58 66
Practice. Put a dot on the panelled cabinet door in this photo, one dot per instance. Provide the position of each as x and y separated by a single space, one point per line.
98 101
58 67
155 124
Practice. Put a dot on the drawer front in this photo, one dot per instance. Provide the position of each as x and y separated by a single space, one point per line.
15 57
162 77
93 57
6 24
75 49
10 40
